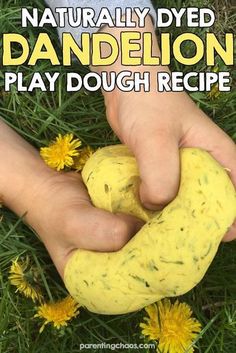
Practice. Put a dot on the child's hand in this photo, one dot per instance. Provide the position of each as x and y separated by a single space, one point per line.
56 205
62 214
155 125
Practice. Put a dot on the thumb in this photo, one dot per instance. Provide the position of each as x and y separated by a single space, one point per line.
158 161
99 230
231 234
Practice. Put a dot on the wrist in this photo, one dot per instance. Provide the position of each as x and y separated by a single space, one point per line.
118 101
21 171
21 191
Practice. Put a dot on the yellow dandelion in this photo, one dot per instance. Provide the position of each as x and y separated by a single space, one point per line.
60 152
25 278
58 313
85 154
171 325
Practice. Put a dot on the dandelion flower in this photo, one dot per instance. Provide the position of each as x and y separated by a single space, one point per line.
60 152
58 313
84 155
171 325
25 277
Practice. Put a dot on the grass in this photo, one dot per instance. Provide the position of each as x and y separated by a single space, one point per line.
38 117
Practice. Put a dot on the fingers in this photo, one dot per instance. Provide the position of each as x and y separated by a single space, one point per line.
210 137
226 155
99 230
231 234
157 155
90 228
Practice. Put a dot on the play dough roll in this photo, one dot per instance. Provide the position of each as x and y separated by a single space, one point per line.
172 251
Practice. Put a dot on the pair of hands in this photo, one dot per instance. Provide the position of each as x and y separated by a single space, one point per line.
154 125
57 204
62 213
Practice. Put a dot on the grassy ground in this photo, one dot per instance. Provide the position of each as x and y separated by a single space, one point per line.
39 117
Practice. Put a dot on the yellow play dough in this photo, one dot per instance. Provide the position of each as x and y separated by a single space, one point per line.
173 250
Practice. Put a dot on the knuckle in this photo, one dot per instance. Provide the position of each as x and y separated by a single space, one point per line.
157 196
119 234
